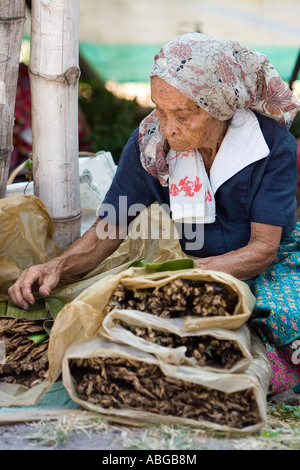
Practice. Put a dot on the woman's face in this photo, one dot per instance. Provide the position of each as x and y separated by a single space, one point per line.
183 124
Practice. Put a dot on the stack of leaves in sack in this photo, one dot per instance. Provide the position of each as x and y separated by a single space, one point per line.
24 336
180 297
206 349
177 299
213 349
150 315
123 384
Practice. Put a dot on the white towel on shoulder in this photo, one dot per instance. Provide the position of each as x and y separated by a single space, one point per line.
191 197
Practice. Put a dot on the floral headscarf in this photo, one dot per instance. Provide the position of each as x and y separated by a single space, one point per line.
221 76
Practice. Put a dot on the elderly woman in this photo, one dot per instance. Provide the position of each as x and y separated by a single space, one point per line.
216 151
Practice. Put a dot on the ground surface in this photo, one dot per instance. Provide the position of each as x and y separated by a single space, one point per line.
13 438
85 431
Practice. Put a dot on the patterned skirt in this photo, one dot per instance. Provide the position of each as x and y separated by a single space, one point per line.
276 317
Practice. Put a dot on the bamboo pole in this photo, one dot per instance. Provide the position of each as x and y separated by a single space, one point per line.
54 74
12 18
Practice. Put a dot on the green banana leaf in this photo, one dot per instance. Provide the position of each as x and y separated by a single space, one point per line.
48 326
2 309
172 265
39 338
37 311
54 306
43 309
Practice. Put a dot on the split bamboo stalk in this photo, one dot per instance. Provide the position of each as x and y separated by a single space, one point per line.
54 74
12 18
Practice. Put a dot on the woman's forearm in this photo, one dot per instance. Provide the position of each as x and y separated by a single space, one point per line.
87 252
252 259
81 257
243 264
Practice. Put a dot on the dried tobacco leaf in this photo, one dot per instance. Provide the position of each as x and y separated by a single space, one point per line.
206 349
26 362
180 297
133 385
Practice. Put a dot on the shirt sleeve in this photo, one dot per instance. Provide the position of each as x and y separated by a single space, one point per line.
128 194
275 200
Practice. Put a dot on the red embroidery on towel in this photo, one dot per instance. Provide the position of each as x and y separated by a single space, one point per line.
188 187
208 196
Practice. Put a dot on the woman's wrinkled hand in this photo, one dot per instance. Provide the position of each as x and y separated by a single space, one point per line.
44 276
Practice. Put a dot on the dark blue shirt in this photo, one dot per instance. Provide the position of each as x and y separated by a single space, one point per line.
263 192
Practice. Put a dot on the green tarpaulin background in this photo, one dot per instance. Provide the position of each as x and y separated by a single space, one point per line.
132 62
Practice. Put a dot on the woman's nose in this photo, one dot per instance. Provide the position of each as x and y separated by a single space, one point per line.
169 127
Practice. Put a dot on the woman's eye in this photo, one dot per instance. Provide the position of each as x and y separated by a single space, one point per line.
182 118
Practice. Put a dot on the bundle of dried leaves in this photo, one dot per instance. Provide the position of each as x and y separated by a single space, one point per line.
206 349
117 383
178 298
26 362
